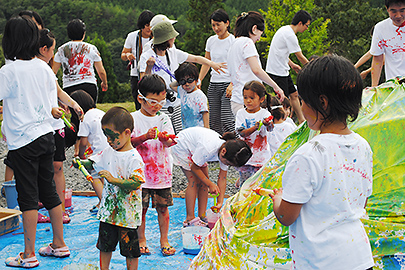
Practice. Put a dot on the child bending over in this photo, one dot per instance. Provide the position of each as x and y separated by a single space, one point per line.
327 181
123 170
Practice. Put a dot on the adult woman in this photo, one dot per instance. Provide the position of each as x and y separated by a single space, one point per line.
216 49
133 48
163 60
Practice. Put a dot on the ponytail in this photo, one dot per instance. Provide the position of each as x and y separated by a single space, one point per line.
238 152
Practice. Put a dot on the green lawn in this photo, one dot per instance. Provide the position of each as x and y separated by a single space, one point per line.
130 106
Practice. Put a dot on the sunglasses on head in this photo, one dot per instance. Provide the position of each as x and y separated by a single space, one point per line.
188 80
152 102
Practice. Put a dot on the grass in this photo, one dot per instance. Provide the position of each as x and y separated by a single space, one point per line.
129 105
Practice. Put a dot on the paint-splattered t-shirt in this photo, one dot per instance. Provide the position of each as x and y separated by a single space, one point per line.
157 158
77 60
389 40
90 127
118 206
331 175
192 106
277 136
258 139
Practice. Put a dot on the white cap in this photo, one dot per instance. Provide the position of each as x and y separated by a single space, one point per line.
160 18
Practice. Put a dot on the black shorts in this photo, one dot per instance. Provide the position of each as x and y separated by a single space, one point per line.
160 197
134 88
89 88
285 83
109 235
59 137
33 172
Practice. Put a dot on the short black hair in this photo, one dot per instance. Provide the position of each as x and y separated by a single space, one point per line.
33 14
20 38
151 83
76 29
46 38
388 3
238 152
144 18
276 108
186 69
220 15
245 22
161 46
120 118
301 16
83 99
336 79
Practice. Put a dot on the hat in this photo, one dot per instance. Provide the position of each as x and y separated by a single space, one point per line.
160 18
163 32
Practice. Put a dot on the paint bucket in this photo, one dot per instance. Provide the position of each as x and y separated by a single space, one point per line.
68 197
212 218
10 193
193 238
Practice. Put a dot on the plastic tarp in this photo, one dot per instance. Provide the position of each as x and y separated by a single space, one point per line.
248 235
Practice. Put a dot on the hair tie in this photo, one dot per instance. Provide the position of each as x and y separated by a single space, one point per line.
276 107
243 15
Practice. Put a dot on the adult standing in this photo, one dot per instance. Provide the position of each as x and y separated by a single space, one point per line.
133 48
284 43
388 39
216 49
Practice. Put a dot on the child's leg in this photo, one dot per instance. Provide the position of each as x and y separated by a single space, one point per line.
55 215
60 183
203 195
105 258
132 263
141 230
9 174
191 193
30 219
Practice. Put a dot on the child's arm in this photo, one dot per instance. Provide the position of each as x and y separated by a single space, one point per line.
206 119
57 112
67 100
83 144
87 163
174 85
151 134
222 187
212 187
167 139
284 211
248 131
133 182
218 67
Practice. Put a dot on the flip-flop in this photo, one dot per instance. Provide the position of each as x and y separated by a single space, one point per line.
144 251
167 251
43 219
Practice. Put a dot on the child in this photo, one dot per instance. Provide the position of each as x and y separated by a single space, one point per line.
252 125
90 133
194 103
287 109
149 138
243 60
282 128
123 170
195 146
327 180
27 86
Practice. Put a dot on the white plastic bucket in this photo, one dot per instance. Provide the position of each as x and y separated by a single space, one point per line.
193 238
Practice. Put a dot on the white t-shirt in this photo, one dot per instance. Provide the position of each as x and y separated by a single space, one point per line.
130 43
218 49
258 139
192 106
277 136
388 39
176 57
198 145
90 127
238 67
284 43
157 158
77 59
332 176
120 207
28 91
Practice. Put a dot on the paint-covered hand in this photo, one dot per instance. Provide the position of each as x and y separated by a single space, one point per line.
106 175
213 189
151 134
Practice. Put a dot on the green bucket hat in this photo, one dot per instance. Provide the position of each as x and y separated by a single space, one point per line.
163 32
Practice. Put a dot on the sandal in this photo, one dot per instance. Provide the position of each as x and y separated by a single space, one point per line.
144 251
195 222
20 262
43 219
65 218
95 208
57 252
168 251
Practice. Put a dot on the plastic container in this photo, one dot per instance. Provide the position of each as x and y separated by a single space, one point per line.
193 238
10 193
212 218
68 197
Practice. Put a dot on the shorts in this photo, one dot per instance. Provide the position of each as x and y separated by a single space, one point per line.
90 88
33 172
285 83
245 172
109 235
182 157
160 197
59 137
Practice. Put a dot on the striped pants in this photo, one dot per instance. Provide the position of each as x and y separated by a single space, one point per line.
221 116
175 116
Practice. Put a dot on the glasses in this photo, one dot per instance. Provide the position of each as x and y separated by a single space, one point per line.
188 80
152 102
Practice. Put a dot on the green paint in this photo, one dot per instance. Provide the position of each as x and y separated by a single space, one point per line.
111 135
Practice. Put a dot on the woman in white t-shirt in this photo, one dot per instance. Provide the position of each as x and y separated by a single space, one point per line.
216 49
243 60
162 61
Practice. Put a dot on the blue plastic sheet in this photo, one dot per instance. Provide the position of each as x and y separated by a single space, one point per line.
81 237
